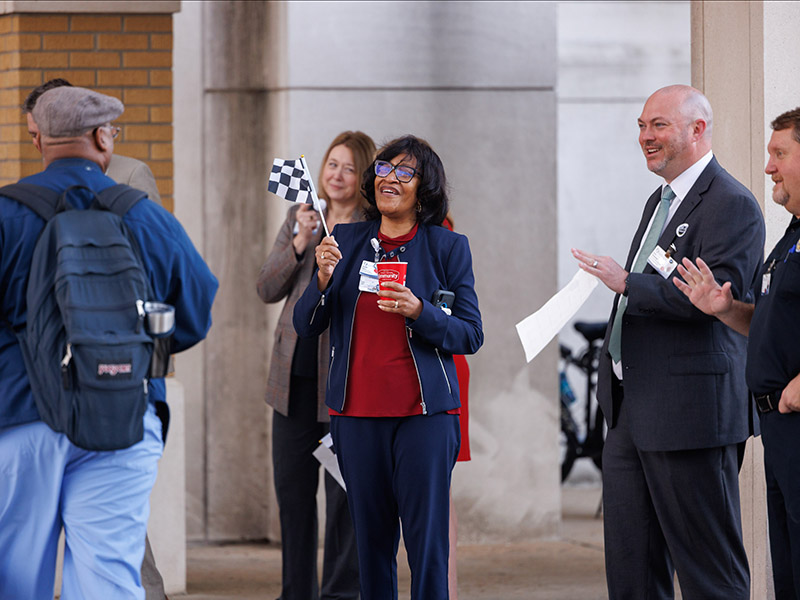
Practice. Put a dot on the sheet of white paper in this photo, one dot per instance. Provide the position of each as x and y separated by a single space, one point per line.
327 459
536 330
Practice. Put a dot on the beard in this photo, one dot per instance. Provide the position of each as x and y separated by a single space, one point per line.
673 148
780 197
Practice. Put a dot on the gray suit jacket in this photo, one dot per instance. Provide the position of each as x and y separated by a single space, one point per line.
683 371
283 275
134 173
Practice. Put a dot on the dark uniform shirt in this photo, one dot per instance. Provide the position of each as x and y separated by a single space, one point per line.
773 348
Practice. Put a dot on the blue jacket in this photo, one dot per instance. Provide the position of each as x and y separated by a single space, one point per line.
178 276
438 259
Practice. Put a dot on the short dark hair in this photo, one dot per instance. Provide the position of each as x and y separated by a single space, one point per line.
432 188
791 118
30 101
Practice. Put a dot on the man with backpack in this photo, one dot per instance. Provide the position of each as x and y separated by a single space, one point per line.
80 439
135 173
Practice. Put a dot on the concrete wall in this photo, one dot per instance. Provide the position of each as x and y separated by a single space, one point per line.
280 79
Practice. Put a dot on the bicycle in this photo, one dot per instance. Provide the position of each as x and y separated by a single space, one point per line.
575 443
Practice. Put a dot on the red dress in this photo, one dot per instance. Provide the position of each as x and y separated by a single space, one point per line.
462 372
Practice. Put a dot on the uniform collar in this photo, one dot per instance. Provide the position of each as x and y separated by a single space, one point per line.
63 164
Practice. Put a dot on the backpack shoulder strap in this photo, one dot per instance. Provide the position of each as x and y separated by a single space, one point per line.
41 200
120 198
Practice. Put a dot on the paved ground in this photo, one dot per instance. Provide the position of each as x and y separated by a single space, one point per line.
570 568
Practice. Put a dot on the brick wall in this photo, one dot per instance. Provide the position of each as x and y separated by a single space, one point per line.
126 56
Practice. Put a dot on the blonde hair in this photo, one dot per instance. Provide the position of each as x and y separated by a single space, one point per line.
363 149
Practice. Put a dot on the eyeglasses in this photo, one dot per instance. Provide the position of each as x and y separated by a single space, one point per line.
403 173
112 128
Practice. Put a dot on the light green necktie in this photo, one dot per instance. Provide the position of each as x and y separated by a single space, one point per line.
615 342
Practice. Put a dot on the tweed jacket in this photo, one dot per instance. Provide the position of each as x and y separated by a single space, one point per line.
285 276
135 173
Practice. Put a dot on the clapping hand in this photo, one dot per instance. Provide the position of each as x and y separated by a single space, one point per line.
702 289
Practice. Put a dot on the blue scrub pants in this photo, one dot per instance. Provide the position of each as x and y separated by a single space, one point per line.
101 499
399 468
780 434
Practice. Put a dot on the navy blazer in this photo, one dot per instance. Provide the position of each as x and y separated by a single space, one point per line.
438 259
683 371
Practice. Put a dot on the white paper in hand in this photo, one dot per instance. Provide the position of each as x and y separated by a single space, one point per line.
327 459
536 330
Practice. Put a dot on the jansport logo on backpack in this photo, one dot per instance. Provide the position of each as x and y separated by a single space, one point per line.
85 346
122 371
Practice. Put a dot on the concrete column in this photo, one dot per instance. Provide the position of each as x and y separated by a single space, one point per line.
749 83
167 525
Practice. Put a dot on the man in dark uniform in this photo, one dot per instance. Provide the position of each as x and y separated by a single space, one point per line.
773 360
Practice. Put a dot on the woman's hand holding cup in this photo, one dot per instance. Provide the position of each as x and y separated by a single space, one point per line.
398 299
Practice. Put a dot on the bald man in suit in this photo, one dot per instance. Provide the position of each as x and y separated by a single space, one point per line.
670 378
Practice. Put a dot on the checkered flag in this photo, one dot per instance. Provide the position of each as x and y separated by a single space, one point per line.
288 180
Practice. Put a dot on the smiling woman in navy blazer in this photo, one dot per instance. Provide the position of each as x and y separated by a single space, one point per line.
392 387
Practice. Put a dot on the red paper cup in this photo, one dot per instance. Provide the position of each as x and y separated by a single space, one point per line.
391 271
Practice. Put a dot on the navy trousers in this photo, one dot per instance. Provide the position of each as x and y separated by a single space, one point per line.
296 473
668 511
781 437
397 469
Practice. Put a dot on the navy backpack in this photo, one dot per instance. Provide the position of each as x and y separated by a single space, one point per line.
85 346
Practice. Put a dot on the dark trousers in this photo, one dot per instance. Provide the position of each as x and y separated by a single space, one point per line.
667 511
296 472
152 582
781 437
397 469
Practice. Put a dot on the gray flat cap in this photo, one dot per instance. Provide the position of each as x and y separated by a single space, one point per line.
71 111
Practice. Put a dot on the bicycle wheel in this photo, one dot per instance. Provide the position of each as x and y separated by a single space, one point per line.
568 441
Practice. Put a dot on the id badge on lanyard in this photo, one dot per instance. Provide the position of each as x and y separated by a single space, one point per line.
368 277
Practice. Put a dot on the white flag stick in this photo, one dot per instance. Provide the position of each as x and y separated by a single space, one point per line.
314 197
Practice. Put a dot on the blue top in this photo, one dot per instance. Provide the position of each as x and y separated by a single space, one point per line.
772 356
438 259
178 276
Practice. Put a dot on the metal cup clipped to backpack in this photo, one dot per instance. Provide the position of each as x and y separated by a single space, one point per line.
160 325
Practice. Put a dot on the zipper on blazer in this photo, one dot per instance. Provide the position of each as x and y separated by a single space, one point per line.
416 368
349 347
330 367
320 303
441 364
